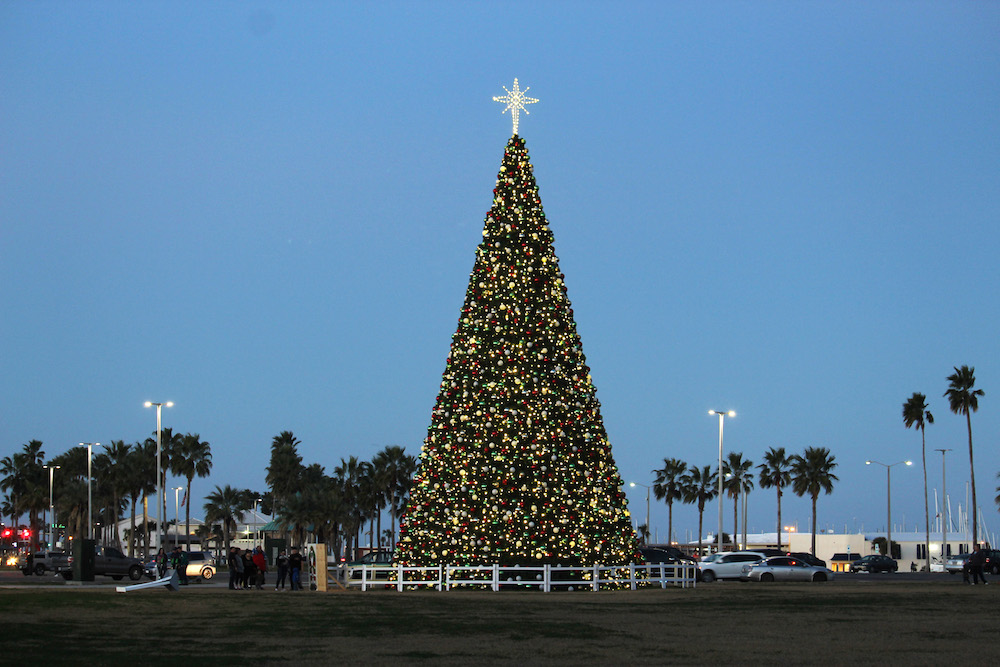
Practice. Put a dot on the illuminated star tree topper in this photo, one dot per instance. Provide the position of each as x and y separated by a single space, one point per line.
515 101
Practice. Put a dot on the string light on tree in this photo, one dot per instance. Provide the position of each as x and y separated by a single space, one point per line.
515 101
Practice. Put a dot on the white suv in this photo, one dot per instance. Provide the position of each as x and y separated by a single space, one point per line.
728 565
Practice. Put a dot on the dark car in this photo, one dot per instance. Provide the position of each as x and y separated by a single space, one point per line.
808 558
992 564
874 563
657 555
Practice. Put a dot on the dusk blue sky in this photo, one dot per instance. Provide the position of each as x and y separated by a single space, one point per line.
268 212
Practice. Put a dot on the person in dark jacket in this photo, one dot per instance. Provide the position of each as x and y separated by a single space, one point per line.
976 562
295 569
235 569
249 570
282 564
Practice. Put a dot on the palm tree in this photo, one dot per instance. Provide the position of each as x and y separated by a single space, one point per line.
812 472
997 499
168 442
139 474
190 457
668 487
737 472
964 400
699 486
12 469
915 413
225 506
23 479
348 475
114 466
774 473
285 469
297 513
397 470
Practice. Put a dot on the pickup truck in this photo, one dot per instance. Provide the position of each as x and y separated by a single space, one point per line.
110 562
43 561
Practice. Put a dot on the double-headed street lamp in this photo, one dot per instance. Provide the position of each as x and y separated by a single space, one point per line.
944 509
159 477
90 497
722 416
52 508
888 500
648 529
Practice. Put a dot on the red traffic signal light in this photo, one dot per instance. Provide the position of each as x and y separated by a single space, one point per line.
26 533
7 532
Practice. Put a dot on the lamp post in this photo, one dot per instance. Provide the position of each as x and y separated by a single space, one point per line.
90 496
159 476
722 416
648 529
256 520
177 511
944 511
888 501
52 507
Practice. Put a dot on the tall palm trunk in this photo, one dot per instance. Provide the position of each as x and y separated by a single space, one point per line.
187 515
814 524
131 535
736 521
670 522
779 518
927 509
972 478
701 515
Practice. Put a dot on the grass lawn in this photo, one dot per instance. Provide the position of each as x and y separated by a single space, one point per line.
897 623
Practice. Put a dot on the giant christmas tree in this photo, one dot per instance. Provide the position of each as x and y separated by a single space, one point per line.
516 467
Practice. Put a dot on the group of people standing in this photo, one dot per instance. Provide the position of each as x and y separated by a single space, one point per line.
247 569
176 560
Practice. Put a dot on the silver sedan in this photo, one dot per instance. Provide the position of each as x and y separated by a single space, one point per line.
785 568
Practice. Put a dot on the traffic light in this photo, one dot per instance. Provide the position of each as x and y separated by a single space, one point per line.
26 533
6 534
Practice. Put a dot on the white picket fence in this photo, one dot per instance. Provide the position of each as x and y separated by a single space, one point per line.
541 577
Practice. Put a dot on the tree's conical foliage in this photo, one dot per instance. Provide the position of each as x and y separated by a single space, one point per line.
516 467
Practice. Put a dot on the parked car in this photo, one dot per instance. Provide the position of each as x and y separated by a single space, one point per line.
992 564
785 568
727 565
808 558
110 562
672 551
42 562
956 564
353 568
201 565
874 563
660 556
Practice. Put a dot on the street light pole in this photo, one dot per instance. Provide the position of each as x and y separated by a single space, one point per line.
52 507
256 521
159 475
944 511
90 495
888 501
722 416
648 529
